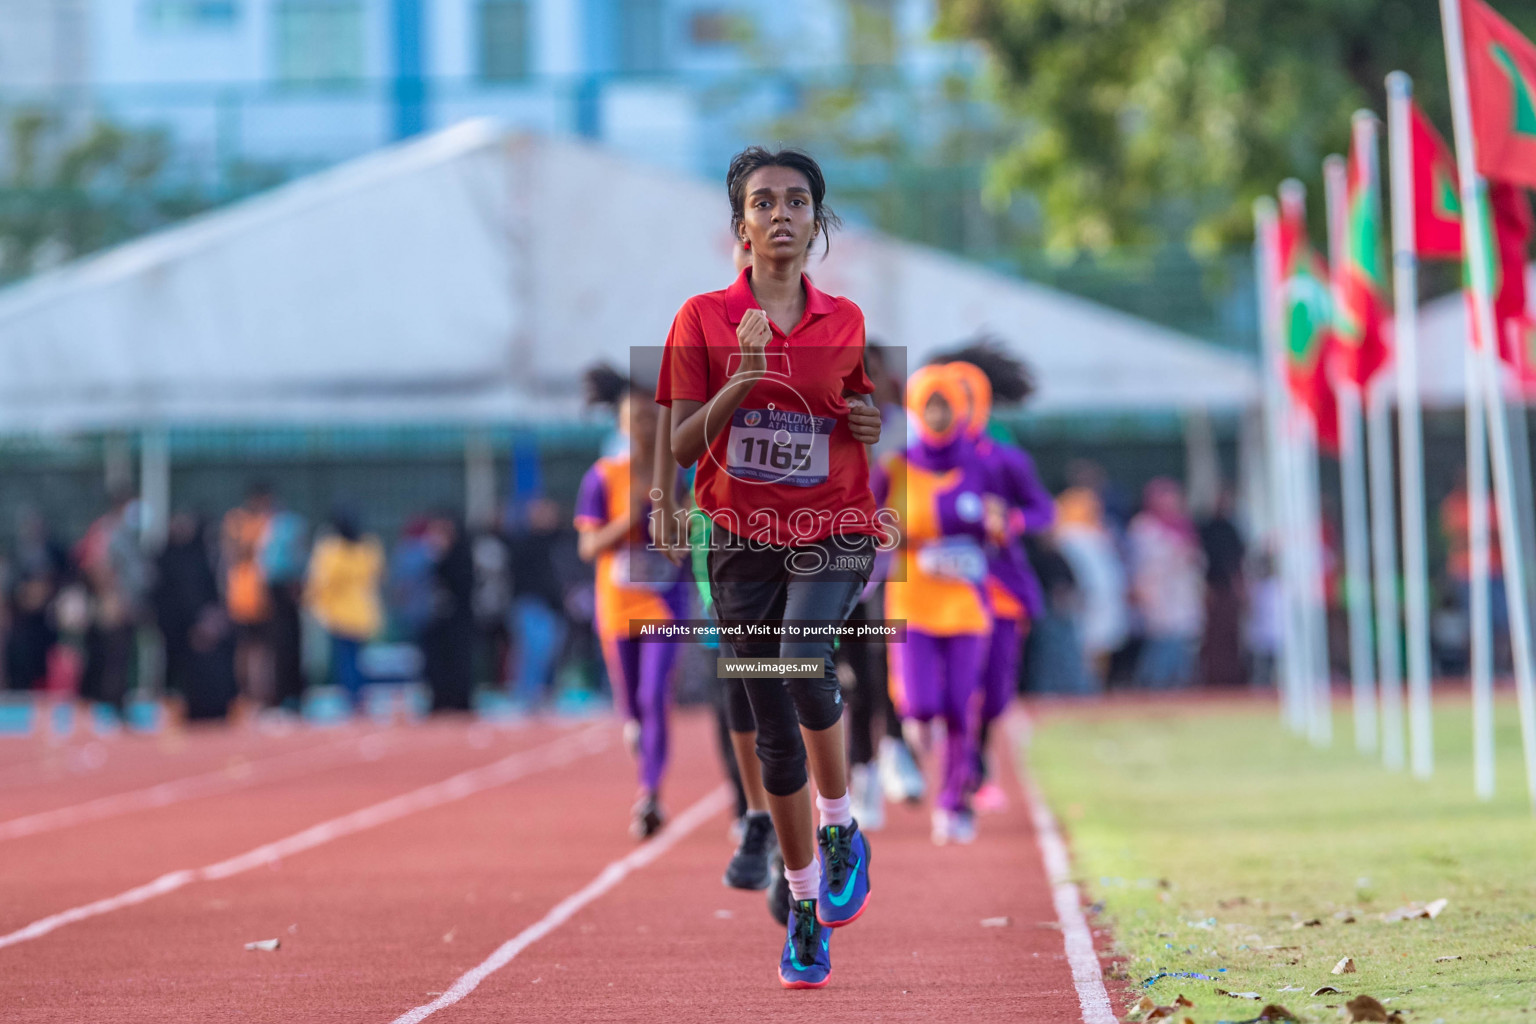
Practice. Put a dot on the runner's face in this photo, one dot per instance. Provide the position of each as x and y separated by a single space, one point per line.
938 416
779 218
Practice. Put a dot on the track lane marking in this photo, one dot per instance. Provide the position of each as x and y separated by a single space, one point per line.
175 791
46 758
701 812
557 754
1082 957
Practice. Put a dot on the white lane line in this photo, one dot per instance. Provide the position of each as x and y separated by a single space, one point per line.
456 787
563 911
92 755
1087 976
369 747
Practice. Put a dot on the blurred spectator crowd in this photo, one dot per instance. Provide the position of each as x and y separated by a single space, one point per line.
246 613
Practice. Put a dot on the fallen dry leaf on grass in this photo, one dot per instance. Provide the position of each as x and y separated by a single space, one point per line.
1345 966
1239 995
1327 990
264 946
1414 911
1271 1014
1366 1010
1443 959
1313 923
1147 1010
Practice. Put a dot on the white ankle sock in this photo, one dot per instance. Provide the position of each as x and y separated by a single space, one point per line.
804 883
835 812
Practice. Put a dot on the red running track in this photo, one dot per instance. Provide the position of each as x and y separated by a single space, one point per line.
387 914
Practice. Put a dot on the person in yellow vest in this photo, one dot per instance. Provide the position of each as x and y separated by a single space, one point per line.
342 592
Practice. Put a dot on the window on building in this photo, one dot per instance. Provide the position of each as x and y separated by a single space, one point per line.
642 38
320 41
504 41
181 15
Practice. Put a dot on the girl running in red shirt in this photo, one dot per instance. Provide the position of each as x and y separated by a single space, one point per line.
765 381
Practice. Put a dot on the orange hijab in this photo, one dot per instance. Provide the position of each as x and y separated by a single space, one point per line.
978 392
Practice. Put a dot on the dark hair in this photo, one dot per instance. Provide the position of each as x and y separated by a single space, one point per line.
604 385
345 521
755 158
1011 379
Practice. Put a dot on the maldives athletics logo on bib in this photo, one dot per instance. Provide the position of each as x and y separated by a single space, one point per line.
779 446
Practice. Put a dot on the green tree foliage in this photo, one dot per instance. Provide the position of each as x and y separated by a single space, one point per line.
67 190
1147 121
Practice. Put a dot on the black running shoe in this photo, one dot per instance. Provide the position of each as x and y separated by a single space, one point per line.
778 889
647 819
749 868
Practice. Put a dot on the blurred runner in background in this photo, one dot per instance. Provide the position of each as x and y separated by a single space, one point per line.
634 581
986 372
939 490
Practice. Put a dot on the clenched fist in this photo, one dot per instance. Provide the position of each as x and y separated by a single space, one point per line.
753 334
863 422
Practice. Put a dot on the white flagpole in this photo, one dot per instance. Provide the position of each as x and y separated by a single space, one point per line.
1357 556
1320 693
1277 416
1405 289
1480 638
1389 663
1475 244
1314 615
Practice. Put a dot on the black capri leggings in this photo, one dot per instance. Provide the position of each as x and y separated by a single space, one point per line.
753 583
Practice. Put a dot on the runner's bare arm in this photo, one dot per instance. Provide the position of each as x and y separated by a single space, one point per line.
666 524
696 424
593 542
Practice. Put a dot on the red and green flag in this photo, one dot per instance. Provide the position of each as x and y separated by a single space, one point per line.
1512 226
1306 310
1507 223
1360 319
1436 193
1501 78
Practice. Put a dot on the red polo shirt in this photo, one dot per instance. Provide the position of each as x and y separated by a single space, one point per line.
786 469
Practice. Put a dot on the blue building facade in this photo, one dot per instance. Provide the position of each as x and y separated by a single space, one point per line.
298 84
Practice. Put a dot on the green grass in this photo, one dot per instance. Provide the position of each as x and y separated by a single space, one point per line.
1208 834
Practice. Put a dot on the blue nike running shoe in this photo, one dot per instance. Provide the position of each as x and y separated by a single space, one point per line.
807 959
844 875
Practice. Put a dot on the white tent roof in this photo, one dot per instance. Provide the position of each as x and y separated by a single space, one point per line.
1442 346
471 276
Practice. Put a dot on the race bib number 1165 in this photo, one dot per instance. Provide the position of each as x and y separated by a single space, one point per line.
777 446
